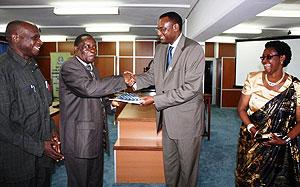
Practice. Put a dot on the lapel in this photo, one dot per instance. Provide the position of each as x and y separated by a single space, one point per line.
164 59
177 53
87 71
97 76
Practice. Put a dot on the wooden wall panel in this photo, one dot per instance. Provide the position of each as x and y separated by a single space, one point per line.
105 66
66 47
144 48
230 98
226 50
126 64
126 48
140 64
47 48
106 48
209 49
228 73
44 65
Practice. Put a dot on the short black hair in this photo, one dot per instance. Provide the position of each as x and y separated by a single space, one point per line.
174 17
281 48
80 38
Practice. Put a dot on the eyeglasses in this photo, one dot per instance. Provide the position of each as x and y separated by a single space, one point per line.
163 29
268 57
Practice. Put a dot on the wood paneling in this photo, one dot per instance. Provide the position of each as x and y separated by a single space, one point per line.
140 64
139 166
126 48
230 98
226 50
228 73
47 48
66 47
209 49
144 48
126 64
106 48
44 65
105 66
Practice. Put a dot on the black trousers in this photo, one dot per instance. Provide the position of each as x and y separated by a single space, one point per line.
84 172
42 179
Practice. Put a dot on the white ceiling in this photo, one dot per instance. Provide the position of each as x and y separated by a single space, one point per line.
273 26
205 18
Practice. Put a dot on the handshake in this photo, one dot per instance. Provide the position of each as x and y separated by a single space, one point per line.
129 78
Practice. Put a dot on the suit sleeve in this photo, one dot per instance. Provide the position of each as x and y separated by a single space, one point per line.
193 82
146 79
82 85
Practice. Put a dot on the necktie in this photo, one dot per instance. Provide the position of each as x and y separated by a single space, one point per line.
169 57
89 67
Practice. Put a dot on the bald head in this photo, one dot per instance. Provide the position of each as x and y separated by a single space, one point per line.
24 38
16 26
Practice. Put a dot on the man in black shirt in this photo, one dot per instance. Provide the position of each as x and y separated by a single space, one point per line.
27 136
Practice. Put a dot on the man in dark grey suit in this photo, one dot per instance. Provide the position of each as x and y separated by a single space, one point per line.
82 113
177 73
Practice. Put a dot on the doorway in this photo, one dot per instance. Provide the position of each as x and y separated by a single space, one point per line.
208 76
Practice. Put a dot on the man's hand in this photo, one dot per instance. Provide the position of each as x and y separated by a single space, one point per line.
55 138
115 103
51 149
129 78
147 100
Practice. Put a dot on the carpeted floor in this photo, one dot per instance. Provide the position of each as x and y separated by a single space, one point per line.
217 156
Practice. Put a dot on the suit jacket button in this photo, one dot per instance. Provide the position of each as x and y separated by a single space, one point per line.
163 91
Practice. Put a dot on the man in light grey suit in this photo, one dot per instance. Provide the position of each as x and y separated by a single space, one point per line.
82 113
178 101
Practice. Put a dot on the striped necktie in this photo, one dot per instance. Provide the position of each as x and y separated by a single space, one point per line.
89 67
169 57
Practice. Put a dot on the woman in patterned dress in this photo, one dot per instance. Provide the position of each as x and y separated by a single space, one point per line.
269 107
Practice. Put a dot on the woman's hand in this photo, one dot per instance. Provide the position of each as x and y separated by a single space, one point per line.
254 132
275 140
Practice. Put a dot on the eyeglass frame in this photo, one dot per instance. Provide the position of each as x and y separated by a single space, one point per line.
163 29
268 57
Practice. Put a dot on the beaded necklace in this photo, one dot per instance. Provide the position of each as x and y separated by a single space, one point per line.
274 83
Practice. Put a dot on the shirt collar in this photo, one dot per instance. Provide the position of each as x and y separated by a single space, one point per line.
18 58
174 45
83 63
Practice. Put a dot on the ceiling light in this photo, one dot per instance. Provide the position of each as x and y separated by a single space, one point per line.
107 28
86 10
118 37
280 13
53 38
295 31
282 10
222 39
244 30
